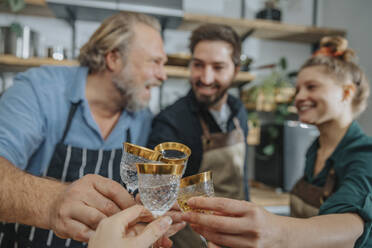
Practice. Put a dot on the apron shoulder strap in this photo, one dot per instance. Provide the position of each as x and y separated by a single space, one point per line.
71 114
205 128
236 123
330 183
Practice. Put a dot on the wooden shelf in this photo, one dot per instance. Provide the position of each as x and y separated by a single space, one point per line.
264 29
33 7
10 63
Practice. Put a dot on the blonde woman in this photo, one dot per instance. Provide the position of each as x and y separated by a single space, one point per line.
332 204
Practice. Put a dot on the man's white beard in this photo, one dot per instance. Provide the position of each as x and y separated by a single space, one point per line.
130 93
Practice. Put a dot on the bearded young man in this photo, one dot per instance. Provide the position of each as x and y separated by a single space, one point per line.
66 122
209 120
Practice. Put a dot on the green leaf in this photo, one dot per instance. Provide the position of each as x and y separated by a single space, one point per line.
253 117
279 119
283 109
273 132
283 63
16 28
269 150
16 5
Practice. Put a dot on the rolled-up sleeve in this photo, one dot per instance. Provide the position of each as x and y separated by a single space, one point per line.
354 195
21 122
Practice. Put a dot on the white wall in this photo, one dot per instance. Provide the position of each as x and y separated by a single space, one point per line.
355 17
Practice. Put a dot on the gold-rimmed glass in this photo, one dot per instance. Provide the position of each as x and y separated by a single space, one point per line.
133 154
196 185
174 153
158 185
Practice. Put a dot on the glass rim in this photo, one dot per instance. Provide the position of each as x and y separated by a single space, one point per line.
159 168
173 146
195 179
173 160
141 151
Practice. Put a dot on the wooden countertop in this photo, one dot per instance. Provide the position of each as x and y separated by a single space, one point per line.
265 196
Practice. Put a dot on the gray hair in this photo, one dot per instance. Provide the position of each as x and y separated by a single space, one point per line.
115 33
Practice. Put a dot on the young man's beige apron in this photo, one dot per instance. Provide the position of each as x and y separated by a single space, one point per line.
306 199
223 154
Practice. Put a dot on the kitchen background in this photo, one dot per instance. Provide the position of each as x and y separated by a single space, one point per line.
351 16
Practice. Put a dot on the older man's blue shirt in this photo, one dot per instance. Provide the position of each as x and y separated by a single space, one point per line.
33 115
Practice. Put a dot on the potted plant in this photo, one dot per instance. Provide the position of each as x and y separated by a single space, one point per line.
274 93
272 90
254 129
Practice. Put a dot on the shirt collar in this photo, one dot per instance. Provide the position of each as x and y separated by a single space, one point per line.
353 132
76 89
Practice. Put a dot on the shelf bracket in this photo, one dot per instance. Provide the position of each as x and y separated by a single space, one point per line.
247 34
315 45
242 9
71 20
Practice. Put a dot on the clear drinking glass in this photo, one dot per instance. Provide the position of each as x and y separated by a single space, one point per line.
133 154
158 185
195 185
174 153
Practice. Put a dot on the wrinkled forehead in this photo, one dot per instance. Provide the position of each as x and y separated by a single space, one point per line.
147 39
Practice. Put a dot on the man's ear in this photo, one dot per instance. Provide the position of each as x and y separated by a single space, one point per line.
113 61
349 90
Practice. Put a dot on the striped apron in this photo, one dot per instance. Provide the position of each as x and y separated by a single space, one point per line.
67 164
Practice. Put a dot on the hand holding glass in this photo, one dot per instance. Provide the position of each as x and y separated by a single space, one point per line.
195 185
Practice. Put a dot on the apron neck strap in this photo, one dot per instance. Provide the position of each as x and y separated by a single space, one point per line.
71 114
204 126
236 123
330 183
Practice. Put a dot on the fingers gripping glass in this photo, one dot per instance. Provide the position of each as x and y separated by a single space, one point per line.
133 154
196 185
